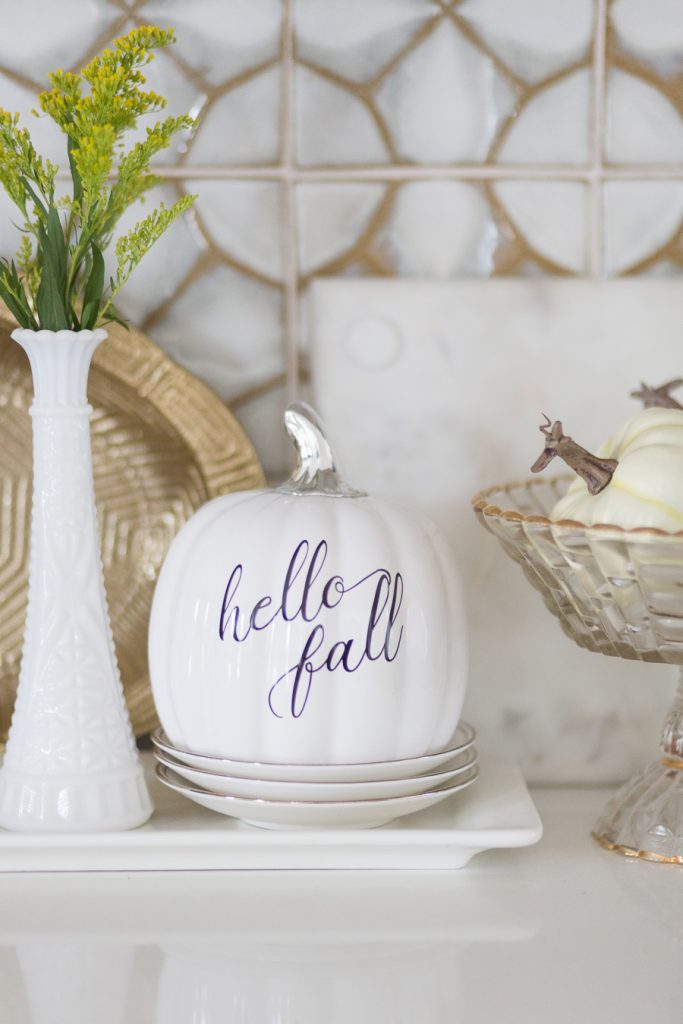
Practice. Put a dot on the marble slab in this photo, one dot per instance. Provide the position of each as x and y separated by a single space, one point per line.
433 390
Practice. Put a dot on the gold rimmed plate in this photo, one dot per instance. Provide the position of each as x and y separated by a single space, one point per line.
267 789
371 771
163 444
276 814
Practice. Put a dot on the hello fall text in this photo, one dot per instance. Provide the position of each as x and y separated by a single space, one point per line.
309 595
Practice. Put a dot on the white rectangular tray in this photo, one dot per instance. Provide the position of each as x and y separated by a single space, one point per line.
495 812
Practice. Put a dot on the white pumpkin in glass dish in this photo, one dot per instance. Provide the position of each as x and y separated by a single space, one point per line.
308 624
636 478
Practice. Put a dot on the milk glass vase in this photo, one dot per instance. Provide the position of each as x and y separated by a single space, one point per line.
71 762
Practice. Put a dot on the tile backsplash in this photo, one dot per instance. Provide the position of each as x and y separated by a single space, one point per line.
430 138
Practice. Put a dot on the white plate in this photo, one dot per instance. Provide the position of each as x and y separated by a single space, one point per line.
375 771
276 814
266 789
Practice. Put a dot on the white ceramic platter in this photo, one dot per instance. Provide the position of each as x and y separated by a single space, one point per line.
376 771
495 813
259 789
300 814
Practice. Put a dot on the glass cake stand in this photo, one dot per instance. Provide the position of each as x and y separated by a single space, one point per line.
616 592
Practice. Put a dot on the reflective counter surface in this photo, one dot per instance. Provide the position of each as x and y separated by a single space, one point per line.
562 931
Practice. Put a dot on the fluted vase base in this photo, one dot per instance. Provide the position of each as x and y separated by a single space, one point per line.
112 801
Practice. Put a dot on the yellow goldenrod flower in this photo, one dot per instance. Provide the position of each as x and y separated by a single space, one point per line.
59 278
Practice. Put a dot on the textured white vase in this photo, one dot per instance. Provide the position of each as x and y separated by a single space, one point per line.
71 762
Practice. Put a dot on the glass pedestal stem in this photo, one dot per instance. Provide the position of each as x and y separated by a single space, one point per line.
672 731
645 817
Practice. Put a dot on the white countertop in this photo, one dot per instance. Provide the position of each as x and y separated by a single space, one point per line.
562 931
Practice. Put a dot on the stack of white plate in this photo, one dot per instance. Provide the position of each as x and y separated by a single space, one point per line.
319 795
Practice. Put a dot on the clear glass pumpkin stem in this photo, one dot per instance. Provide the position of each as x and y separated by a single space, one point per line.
645 817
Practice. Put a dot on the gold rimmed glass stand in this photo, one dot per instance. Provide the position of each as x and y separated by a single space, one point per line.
616 592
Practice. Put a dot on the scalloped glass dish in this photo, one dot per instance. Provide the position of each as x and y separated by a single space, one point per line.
616 592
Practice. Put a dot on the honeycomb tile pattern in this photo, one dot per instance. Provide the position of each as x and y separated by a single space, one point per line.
439 138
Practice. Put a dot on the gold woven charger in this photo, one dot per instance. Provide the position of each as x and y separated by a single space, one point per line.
163 444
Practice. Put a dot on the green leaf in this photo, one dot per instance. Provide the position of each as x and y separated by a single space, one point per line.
92 297
50 298
56 243
109 315
13 305
14 297
72 316
50 305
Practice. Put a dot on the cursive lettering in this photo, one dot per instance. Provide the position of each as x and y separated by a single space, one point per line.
306 595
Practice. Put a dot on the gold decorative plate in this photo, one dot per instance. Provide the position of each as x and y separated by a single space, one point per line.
163 444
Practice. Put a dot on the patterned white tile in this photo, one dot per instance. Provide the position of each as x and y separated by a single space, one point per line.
331 218
552 216
354 38
639 218
242 126
38 36
553 127
440 229
221 38
661 269
244 218
643 126
334 126
226 328
651 30
445 100
534 38
263 420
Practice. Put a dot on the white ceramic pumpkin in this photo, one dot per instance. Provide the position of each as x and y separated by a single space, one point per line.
646 487
308 624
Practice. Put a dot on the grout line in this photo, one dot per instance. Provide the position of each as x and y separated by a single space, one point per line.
656 173
596 225
290 175
289 225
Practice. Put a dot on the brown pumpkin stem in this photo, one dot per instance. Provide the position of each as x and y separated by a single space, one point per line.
596 472
658 397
